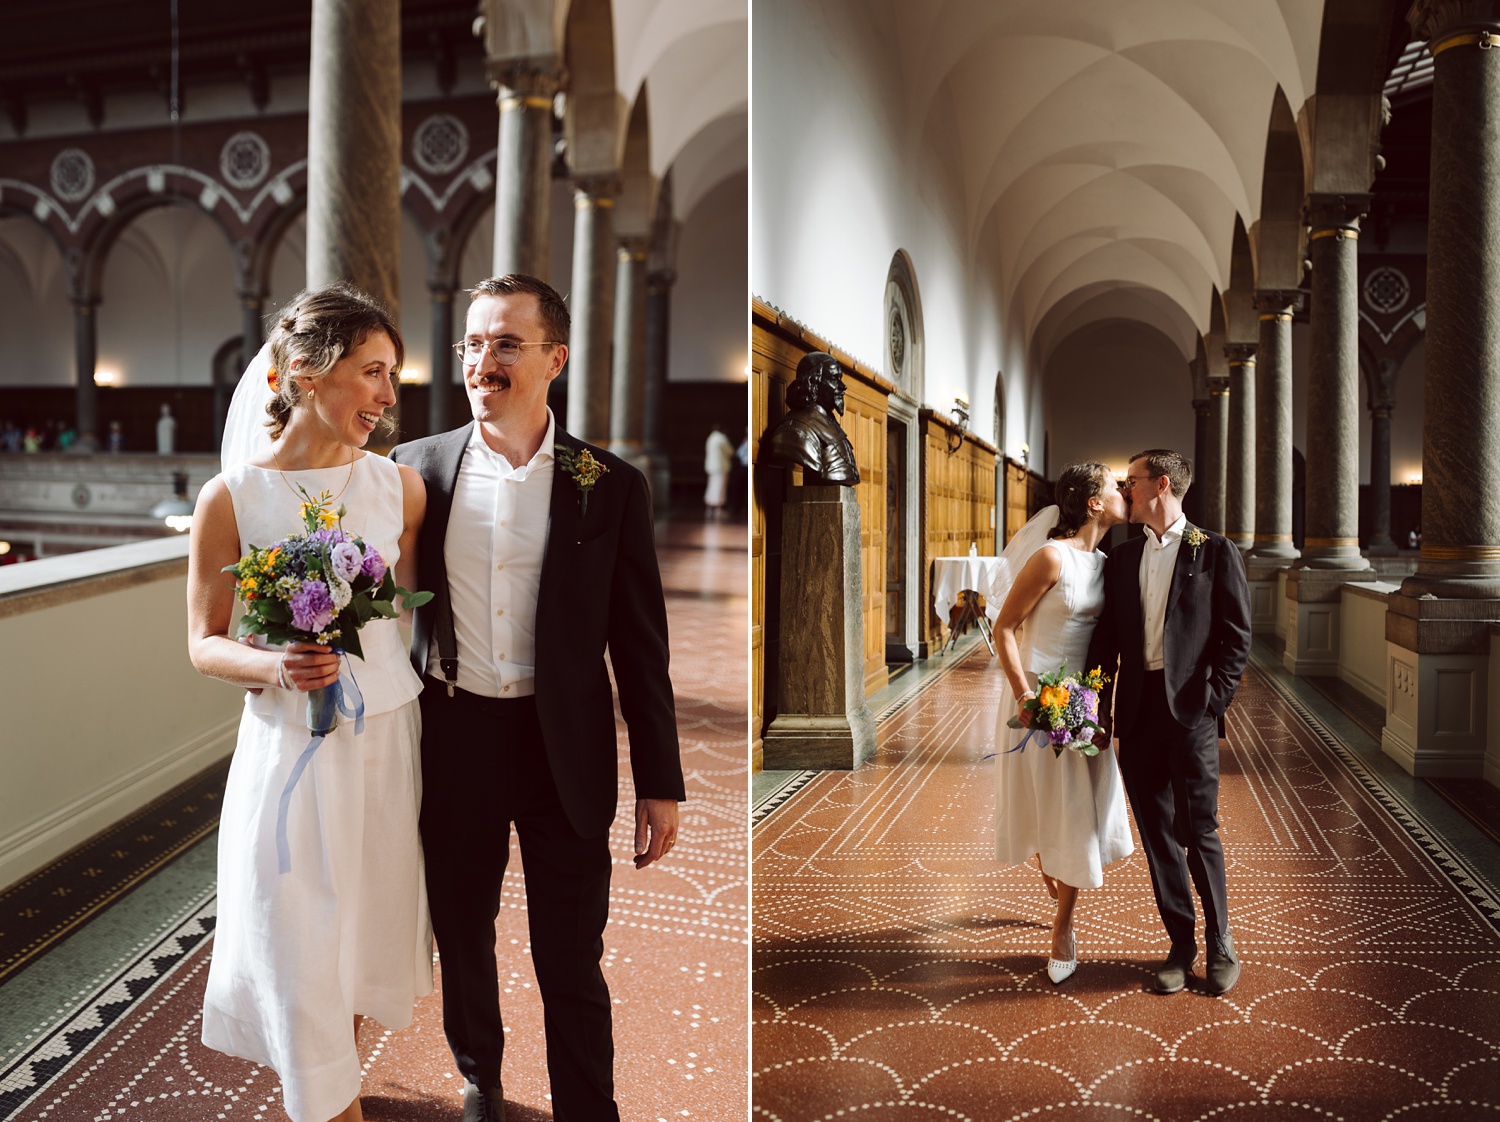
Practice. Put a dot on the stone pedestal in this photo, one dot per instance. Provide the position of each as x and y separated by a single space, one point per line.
1313 606
1263 577
1438 684
822 720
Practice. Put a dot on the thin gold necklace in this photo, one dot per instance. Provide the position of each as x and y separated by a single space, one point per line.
294 490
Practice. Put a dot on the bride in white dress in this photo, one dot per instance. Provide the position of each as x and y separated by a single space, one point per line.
302 953
1067 810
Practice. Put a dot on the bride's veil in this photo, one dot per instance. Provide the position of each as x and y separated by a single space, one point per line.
1027 540
245 433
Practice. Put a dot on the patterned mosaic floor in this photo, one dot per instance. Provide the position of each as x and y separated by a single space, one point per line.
898 973
123 1044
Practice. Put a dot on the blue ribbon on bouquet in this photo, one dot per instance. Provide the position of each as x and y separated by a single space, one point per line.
1020 745
355 710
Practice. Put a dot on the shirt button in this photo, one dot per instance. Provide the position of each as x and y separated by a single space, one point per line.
502 656
499 611
499 568
502 522
505 689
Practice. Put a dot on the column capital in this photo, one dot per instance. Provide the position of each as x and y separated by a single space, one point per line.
531 81
1240 354
1382 407
1437 20
596 190
1277 303
1338 215
1217 387
660 280
634 246
1201 406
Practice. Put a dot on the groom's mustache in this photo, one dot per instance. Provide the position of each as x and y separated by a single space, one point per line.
492 381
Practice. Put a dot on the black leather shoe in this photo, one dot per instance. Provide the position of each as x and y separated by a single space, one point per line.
483 1106
1223 965
1172 975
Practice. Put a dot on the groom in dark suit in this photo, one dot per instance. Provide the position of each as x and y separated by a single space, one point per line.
1177 617
539 551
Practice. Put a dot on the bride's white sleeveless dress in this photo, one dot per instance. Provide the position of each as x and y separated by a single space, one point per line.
1068 808
296 955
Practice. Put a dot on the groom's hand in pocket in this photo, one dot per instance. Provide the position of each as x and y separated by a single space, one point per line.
655 829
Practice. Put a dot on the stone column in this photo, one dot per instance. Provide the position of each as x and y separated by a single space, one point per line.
1197 494
523 172
354 148
627 411
1218 444
1381 544
1332 540
252 328
85 357
658 346
593 308
1439 629
1239 470
1273 428
1461 387
440 415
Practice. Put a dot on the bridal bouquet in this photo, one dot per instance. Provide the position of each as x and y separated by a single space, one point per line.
321 586
1065 710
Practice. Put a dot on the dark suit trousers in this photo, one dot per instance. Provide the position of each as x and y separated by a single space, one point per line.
483 767
1171 774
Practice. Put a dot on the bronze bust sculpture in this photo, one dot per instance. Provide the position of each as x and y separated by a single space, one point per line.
809 434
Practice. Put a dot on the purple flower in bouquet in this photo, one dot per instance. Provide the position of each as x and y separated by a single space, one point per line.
312 606
374 564
347 560
1060 736
1090 700
328 537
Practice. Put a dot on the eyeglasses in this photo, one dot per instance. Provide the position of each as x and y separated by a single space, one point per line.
1128 483
503 351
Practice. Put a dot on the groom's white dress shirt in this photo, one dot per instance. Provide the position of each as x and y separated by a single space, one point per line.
497 536
1157 562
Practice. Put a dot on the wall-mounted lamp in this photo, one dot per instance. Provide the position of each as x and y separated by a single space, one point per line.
1416 480
960 418
176 512
1026 456
4 548
105 378
412 376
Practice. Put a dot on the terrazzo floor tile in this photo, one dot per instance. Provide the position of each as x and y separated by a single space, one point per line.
898 972
675 959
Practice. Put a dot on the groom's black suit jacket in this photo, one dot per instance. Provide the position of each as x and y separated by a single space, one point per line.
1205 637
600 588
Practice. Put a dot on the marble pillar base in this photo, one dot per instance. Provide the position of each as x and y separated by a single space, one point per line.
822 721
1263 577
1313 607
1438 685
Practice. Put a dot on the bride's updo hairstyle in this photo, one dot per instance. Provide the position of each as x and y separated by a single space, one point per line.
319 327
1077 484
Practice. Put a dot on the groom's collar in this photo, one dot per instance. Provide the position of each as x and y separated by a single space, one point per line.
1174 532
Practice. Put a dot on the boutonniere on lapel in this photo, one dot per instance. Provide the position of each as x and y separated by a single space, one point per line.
584 470
1193 538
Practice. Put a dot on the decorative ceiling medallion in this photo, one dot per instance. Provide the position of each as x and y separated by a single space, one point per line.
440 144
898 340
244 160
72 174
1387 290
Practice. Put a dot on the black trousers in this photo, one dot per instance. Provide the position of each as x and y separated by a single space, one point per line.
1171 776
483 768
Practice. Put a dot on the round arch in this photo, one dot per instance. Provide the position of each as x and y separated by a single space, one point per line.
905 348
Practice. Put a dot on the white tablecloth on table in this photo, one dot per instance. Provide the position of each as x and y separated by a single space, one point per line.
952 575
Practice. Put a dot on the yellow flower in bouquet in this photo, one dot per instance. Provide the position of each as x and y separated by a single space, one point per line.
1054 697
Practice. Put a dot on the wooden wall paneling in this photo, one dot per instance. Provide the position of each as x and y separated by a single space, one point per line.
777 345
958 490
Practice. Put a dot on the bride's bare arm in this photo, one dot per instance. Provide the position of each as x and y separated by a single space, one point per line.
215 543
414 509
1038 575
